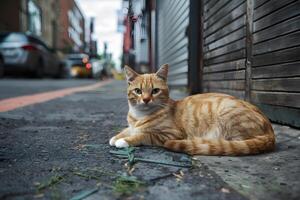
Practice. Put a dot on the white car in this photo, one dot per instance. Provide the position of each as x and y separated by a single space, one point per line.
97 68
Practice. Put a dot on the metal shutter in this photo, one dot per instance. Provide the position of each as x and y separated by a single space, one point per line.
172 43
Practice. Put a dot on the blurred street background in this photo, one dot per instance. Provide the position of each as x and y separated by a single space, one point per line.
59 39
63 94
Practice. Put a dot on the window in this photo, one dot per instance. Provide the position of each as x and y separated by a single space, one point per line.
34 18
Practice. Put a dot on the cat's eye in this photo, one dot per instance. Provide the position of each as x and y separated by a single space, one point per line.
155 90
138 91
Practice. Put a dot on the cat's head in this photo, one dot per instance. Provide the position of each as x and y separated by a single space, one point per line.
146 91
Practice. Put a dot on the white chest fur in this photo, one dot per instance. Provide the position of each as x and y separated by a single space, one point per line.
139 114
133 130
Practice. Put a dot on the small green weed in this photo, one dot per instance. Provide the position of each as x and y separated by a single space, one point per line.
126 185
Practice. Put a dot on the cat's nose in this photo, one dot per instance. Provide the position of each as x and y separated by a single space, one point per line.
146 100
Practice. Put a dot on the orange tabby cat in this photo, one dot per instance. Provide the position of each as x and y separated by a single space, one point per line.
203 124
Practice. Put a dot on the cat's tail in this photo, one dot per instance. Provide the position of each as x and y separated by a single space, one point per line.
200 146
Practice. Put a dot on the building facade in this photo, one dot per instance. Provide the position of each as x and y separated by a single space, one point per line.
137 38
59 23
71 27
35 16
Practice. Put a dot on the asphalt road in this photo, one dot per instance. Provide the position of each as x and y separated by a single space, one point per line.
59 149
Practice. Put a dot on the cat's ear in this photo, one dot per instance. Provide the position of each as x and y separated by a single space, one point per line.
130 74
163 72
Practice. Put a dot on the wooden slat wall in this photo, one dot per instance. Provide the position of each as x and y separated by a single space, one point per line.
276 60
271 47
173 19
224 46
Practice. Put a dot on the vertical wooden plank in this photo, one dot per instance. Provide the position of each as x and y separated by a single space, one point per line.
195 34
157 4
249 44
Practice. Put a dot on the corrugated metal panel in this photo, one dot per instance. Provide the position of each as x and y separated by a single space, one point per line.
276 60
224 47
173 19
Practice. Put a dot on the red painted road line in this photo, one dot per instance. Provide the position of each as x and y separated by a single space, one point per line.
18 102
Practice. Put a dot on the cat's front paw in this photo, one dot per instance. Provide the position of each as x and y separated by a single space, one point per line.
121 143
112 141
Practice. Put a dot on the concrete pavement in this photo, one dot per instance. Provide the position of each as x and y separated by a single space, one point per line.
59 149
273 175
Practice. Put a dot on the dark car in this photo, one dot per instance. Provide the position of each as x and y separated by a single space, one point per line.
26 53
79 65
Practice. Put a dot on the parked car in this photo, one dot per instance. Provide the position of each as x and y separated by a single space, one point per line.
24 52
79 65
1 65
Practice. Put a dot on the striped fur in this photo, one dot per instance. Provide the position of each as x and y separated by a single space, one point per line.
203 124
